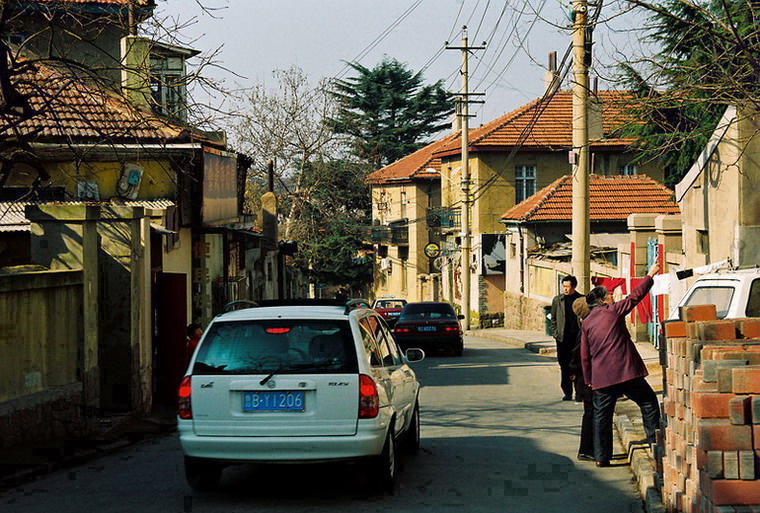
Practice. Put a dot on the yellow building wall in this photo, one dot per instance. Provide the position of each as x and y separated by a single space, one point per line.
157 179
180 260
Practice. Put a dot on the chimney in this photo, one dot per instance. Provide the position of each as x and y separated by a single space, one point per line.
595 128
269 208
135 70
456 121
551 77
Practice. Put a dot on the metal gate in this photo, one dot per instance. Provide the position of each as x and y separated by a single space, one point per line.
653 255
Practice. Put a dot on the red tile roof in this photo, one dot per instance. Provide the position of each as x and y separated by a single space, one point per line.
414 165
67 108
611 198
546 124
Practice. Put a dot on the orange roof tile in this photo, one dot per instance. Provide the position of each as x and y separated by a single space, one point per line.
610 198
547 124
414 165
66 108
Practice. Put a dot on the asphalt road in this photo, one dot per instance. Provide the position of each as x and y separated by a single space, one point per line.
495 438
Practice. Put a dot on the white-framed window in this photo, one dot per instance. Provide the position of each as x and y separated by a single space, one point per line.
629 170
525 182
402 210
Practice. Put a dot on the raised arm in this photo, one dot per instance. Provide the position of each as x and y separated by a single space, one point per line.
624 306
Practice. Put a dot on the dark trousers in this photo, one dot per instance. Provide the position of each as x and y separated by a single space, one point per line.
564 356
583 392
638 391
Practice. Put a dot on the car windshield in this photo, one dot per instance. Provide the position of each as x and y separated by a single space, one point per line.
718 296
390 303
427 311
262 347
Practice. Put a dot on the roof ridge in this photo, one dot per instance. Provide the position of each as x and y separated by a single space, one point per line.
554 188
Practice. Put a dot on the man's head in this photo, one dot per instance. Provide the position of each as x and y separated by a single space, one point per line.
568 285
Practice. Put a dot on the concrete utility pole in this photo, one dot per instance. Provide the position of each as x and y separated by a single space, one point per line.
463 110
580 154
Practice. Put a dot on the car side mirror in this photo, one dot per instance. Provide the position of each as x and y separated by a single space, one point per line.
414 354
460 317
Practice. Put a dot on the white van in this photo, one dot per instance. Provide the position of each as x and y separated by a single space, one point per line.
734 293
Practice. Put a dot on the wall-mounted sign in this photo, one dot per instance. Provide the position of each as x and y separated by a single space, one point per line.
432 250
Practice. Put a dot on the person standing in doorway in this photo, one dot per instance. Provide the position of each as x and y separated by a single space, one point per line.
565 328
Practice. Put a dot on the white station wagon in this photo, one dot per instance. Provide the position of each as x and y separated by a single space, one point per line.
300 383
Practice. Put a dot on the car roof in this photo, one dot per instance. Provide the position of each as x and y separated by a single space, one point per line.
289 312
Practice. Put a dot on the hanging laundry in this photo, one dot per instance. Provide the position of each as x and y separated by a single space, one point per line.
610 283
709 268
662 284
643 309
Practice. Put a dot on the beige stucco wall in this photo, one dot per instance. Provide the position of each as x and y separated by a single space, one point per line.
393 202
724 200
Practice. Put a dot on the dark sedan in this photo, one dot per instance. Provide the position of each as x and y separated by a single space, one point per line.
432 326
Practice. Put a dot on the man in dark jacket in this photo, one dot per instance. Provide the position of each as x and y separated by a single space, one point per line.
565 330
613 367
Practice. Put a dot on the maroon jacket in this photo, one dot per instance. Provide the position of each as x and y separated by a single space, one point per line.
608 355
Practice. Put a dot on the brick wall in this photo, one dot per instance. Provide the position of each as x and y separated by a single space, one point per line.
708 455
523 313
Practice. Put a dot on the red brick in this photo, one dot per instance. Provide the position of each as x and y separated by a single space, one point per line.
755 409
747 465
746 380
726 492
739 409
749 328
721 435
698 313
716 330
710 349
699 385
710 405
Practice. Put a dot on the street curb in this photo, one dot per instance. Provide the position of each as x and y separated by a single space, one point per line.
542 348
641 462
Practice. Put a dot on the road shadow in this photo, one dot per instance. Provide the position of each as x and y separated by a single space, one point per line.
472 474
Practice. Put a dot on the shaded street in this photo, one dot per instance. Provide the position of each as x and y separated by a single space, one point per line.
495 437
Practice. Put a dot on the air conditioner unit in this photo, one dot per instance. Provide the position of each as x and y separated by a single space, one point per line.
87 191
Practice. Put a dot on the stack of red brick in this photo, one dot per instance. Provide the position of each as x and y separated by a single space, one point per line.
711 457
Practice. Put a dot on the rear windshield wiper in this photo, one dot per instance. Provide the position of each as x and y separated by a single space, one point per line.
296 366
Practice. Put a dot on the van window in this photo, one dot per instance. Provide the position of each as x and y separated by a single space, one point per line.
753 303
261 347
718 296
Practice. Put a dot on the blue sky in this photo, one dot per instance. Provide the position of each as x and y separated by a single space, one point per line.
260 36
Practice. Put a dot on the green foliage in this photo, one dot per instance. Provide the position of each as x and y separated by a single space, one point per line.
387 112
707 59
330 217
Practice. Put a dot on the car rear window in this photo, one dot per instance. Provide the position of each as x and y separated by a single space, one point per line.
718 296
753 303
260 347
421 311
390 304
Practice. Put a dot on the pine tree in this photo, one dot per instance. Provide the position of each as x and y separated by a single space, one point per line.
708 59
387 112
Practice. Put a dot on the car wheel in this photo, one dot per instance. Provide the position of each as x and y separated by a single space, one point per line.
383 467
457 349
411 441
202 474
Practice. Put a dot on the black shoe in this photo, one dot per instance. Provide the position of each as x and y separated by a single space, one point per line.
602 464
567 398
585 457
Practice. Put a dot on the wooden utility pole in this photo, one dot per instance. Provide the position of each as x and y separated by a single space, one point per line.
580 153
463 111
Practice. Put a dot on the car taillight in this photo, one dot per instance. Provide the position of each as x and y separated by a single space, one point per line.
452 328
401 330
185 390
369 402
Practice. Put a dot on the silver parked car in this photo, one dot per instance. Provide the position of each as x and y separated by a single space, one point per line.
299 383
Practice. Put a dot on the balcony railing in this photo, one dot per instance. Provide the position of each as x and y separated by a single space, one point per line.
444 218
396 232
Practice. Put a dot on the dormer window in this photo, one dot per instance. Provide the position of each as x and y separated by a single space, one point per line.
168 79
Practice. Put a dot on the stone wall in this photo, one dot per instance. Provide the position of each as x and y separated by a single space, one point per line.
523 313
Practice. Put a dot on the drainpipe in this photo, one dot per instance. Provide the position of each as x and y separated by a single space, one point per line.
522 259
